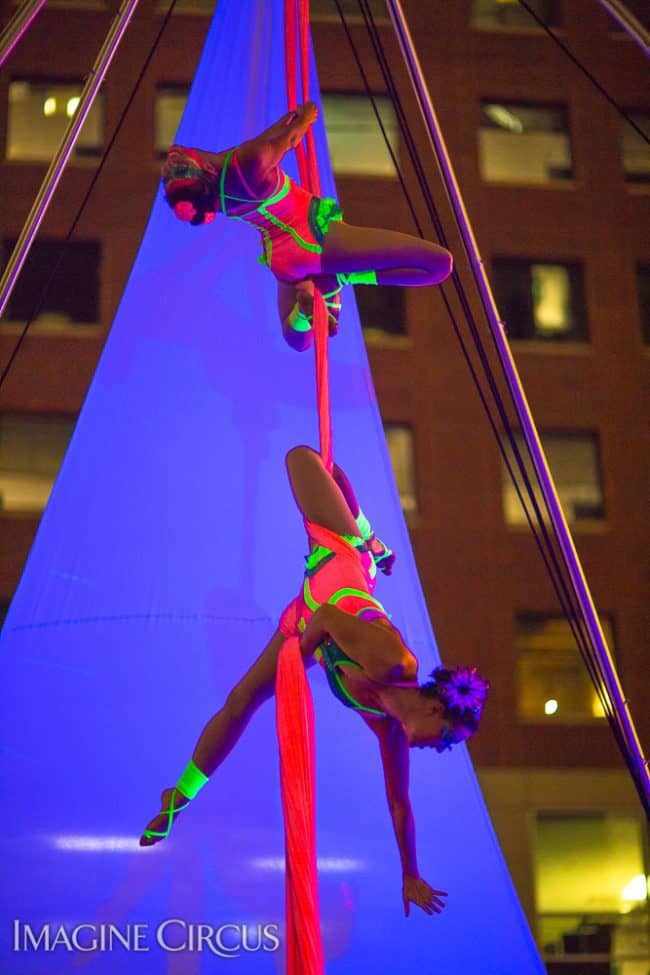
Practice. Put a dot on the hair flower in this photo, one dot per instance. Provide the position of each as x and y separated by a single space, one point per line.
464 689
185 210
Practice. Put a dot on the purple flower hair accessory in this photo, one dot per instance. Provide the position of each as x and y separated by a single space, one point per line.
462 689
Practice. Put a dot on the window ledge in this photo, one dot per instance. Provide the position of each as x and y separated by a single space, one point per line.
44 331
377 339
551 184
587 526
566 722
520 30
550 347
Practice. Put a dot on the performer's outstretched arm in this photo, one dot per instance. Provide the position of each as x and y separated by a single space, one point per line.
394 748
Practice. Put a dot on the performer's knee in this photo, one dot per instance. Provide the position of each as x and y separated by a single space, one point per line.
301 457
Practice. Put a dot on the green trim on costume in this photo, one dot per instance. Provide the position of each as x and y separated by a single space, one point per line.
191 781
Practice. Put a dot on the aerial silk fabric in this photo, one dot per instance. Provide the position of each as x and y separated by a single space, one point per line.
294 703
168 549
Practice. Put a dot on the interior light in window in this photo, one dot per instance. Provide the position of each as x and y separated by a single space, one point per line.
550 706
636 889
49 106
505 118
71 106
551 297
597 709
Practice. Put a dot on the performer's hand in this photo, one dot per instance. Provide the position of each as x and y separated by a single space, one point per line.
415 890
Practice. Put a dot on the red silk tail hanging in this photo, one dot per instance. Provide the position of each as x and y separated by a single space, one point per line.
294 706
295 724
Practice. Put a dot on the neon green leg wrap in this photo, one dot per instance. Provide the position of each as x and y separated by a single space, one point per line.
191 781
357 277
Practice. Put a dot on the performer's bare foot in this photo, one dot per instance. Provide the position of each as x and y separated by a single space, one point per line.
172 804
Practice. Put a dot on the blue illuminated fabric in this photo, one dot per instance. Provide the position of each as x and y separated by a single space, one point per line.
169 546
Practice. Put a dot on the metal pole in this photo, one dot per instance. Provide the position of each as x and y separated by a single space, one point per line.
39 208
629 23
579 583
17 27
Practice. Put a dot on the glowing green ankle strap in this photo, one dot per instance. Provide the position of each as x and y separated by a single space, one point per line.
364 526
298 321
357 277
191 781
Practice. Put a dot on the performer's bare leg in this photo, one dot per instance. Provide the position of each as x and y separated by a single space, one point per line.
398 259
320 500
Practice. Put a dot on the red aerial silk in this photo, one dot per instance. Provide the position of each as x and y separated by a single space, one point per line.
295 711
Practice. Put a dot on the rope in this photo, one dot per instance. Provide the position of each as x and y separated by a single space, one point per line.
550 557
294 706
41 299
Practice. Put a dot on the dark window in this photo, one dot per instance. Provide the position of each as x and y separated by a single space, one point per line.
327 10
643 290
541 300
524 143
635 148
168 111
510 13
39 114
72 297
381 309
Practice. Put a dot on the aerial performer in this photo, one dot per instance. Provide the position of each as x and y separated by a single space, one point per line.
368 666
305 240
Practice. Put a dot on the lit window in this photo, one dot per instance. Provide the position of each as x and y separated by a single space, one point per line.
591 892
553 683
326 10
39 114
169 108
575 466
71 298
636 151
400 447
31 450
524 143
540 300
356 143
643 290
382 310
510 13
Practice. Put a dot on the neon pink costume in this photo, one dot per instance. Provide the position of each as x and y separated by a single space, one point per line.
292 222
